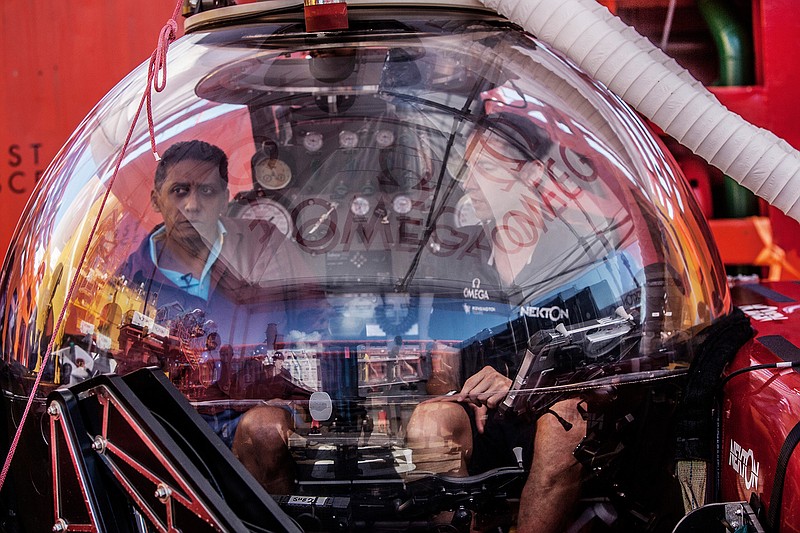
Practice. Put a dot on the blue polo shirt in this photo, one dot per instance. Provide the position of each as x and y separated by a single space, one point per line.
186 281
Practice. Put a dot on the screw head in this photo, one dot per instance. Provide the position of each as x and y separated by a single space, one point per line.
99 444
163 492
53 410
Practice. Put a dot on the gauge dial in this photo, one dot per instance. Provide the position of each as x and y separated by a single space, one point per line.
360 206
313 141
316 222
269 210
272 174
348 139
384 138
402 204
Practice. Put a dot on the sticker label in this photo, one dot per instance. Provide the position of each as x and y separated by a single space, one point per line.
744 463
103 342
763 313
86 328
307 500
159 330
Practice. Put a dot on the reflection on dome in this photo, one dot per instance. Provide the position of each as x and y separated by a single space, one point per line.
374 218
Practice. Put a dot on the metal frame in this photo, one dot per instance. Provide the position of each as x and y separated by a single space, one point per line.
169 491
59 422
112 437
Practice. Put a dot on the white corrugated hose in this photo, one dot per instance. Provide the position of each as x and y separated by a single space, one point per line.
661 90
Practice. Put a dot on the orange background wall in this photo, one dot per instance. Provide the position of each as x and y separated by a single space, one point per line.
58 58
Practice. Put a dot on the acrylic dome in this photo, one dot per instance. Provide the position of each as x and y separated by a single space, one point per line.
406 202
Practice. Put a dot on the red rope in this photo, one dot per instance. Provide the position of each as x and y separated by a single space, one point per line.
158 63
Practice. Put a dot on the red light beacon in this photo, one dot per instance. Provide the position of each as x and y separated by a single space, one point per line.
325 15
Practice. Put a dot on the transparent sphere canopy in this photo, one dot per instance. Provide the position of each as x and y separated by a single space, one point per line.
403 207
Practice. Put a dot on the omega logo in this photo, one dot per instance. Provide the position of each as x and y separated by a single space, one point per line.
475 292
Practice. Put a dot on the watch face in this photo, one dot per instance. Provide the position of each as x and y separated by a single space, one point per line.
272 174
269 210
401 204
360 206
313 141
348 139
384 138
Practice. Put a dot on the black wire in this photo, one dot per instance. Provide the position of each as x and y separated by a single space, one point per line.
435 211
781 366
460 116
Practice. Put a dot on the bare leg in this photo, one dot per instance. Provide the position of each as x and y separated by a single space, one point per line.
553 485
261 444
440 435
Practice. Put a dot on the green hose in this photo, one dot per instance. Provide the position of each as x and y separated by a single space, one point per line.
733 41
735 50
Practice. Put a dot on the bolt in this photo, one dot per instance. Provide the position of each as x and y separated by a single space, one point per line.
60 525
99 444
53 410
102 396
163 492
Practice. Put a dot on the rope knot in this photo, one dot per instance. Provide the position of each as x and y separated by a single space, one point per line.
157 72
158 61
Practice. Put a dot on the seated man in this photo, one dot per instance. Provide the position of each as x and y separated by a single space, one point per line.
465 426
198 260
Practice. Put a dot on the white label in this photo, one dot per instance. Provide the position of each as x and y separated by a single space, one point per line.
142 320
763 313
159 330
302 500
103 341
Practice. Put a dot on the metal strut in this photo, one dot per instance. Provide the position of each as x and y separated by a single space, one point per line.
128 449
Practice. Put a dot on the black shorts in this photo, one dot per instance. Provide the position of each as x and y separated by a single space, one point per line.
494 447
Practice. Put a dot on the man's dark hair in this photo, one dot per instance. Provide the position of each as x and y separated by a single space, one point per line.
193 151
520 132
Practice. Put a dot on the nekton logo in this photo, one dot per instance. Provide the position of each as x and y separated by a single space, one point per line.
745 464
475 292
550 313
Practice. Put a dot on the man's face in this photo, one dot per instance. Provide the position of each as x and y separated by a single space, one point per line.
498 176
191 200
